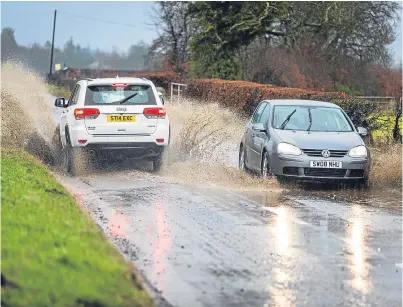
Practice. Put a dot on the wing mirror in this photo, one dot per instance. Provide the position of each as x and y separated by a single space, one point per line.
259 127
362 131
161 97
61 103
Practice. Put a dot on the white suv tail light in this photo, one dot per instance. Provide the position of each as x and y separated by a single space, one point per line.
154 113
86 113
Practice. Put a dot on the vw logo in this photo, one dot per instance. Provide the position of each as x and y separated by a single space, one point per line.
121 109
325 153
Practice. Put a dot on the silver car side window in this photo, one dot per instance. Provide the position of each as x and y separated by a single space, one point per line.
258 113
264 118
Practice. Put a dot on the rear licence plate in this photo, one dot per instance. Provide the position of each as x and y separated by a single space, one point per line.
326 164
121 118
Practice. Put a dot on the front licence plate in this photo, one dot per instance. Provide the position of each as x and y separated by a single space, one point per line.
121 118
326 164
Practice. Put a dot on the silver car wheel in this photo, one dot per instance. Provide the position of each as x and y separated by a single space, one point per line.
266 173
242 159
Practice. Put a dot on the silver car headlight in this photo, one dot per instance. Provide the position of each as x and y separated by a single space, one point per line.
288 149
358 152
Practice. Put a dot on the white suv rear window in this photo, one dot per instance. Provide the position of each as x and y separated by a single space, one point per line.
113 94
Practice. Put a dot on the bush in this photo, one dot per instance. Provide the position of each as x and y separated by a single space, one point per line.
379 119
245 95
350 90
358 110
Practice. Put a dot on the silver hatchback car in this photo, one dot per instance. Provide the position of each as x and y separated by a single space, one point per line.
304 140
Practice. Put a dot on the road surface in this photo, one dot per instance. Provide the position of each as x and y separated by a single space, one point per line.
204 245
207 245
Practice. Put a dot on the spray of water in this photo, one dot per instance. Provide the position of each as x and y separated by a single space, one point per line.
205 140
204 132
27 121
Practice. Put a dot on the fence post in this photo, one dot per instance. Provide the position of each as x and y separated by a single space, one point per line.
172 87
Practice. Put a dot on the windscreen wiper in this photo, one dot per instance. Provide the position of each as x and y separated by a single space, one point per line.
125 99
310 119
287 119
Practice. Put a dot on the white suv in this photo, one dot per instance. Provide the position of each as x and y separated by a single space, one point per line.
113 118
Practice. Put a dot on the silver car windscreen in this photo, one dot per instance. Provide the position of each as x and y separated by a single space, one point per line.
304 118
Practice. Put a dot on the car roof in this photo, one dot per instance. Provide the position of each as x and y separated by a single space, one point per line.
118 80
301 102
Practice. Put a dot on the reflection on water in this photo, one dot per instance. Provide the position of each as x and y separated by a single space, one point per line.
161 244
359 267
280 293
282 232
379 198
118 224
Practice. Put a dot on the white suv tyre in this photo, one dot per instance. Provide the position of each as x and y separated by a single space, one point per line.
158 162
75 159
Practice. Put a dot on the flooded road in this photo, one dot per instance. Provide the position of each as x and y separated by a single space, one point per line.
202 234
207 245
205 235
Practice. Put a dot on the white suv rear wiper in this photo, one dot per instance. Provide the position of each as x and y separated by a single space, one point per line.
125 99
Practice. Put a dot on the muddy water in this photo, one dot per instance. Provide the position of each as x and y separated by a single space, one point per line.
203 244
25 91
28 118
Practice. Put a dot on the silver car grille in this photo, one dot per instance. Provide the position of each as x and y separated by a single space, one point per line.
324 172
318 153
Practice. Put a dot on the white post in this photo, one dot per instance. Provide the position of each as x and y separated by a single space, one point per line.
172 87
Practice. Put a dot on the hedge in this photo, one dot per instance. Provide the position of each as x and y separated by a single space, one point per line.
161 79
245 95
359 110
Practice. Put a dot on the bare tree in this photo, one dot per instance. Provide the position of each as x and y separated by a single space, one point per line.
173 25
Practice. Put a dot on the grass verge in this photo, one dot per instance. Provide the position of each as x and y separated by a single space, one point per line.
58 91
52 253
387 167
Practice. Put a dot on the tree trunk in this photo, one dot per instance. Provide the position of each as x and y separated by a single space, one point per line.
397 136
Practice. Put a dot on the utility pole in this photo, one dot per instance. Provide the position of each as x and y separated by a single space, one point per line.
53 45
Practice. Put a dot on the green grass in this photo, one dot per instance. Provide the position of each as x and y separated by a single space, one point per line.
58 91
52 252
384 126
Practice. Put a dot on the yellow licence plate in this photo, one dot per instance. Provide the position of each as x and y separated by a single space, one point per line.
121 118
